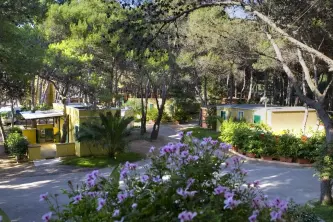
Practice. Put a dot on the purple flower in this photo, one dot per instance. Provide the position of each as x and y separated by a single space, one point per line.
101 202
253 217
228 194
184 153
77 198
134 206
47 217
257 202
230 203
144 178
192 158
189 133
95 173
189 182
122 197
275 216
181 134
157 179
186 216
219 190
123 173
225 147
43 196
185 193
256 183
152 149
116 213
214 142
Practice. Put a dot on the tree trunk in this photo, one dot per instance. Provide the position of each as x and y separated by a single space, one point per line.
325 182
144 106
250 88
2 131
65 125
235 88
289 89
244 84
13 112
306 112
156 127
231 88
205 91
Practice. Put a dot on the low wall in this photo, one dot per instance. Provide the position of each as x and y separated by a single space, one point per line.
65 149
34 152
88 149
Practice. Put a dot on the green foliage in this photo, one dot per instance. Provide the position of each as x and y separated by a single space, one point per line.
109 132
152 114
15 129
43 107
5 218
299 213
323 211
288 145
258 139
101 161
181 116
201 133
17 144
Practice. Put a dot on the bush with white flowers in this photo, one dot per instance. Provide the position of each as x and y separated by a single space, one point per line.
196 180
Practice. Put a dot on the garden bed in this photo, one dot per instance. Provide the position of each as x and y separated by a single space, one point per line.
257 141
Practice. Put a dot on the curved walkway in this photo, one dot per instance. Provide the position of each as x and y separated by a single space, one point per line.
19 196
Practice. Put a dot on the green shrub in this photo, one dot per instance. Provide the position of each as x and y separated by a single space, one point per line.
288 145
269 144
15 129
109 132
166 118
17 144
152 114
299 213
181 116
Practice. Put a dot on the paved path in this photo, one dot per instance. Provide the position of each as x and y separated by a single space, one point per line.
19 196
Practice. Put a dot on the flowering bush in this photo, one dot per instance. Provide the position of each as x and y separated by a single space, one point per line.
195 180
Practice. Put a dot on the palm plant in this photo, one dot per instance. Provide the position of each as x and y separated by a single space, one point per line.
109 132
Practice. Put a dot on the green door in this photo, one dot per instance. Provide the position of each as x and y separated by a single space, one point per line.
256 119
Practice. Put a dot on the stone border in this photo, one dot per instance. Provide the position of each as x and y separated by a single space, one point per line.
272 162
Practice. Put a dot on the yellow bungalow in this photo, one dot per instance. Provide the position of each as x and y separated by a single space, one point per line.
47 136
277 117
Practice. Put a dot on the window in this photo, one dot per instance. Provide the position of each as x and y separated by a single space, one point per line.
240 115
223 115
256 119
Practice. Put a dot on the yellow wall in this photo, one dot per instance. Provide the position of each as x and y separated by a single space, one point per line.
233 113
292 120
34 152
44 126
82 149
30 134
65 149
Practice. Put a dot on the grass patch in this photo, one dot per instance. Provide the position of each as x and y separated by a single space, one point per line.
324 212
200 133
101 161
5 218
